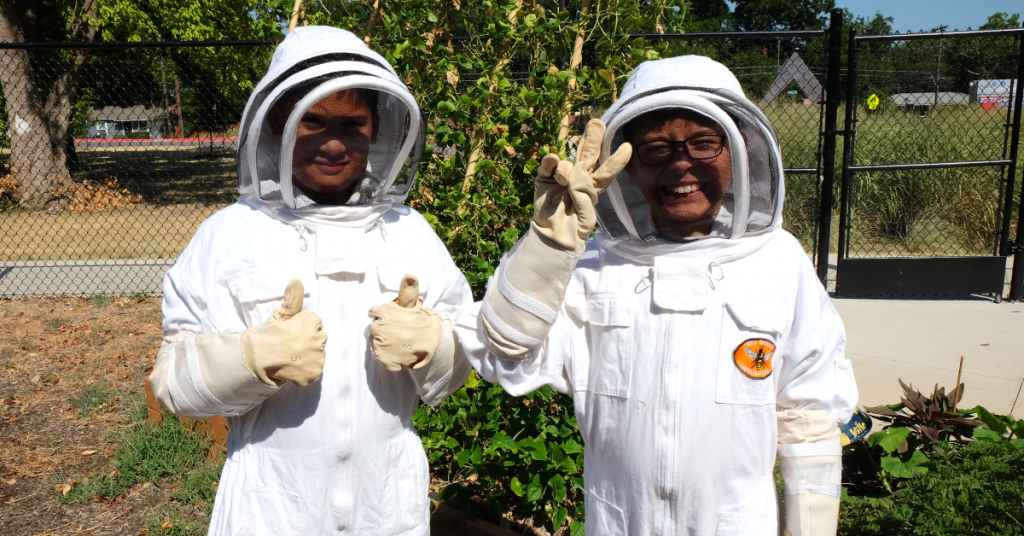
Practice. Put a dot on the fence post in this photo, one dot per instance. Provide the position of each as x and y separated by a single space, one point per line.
1017 277
835 43
849 127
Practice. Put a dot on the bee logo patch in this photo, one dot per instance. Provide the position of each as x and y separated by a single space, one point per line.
754 358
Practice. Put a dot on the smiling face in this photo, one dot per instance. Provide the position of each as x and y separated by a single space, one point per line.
685 193
332 144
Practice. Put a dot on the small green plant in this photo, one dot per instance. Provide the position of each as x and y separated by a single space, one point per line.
897 461
91 397
1000 429
929 419
28 344
971 488
148 454
170 520
54 324
100 300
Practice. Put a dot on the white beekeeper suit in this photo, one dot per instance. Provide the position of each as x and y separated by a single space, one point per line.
339 455
655 333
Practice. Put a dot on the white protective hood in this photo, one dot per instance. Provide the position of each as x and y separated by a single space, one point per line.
325 60
752 205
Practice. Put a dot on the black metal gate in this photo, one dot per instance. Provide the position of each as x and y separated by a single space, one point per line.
930 159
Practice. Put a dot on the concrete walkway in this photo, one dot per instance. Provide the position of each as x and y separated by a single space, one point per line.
23 279
921 341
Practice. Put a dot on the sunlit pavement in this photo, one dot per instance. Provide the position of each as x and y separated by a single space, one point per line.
921 341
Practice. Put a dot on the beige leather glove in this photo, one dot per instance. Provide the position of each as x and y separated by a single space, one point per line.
404 333
290 345
563 205
526 292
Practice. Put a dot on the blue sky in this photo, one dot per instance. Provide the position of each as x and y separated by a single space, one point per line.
917 15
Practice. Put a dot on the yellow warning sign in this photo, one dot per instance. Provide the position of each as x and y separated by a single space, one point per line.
873 102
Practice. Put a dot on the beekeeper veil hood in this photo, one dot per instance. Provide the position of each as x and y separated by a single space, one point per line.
751 203
310 69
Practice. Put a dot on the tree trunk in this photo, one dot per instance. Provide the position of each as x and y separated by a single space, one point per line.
39 131
36 162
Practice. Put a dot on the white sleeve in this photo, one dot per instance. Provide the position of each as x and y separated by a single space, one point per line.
814 373
816 392
549 364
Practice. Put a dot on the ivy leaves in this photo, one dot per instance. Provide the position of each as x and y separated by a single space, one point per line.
517 452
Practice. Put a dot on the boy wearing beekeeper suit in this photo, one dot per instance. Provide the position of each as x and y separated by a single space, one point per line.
265 312
690 329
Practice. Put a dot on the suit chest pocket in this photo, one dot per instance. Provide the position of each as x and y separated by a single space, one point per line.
746 360
610 344
258 293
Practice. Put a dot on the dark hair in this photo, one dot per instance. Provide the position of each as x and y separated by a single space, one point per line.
630 129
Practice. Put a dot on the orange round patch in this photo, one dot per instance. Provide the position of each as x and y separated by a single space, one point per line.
754 358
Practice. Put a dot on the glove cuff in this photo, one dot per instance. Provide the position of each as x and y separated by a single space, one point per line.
208 375
526 292
811 468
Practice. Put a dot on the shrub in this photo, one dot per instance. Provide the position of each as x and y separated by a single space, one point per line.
975 488
500 452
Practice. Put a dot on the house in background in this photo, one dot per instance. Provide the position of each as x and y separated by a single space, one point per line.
113 121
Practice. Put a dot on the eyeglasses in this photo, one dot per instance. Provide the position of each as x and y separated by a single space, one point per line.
700 147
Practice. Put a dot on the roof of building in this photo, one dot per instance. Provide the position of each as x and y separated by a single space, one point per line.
130 113
928 98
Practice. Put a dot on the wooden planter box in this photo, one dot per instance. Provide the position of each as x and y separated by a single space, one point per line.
447 521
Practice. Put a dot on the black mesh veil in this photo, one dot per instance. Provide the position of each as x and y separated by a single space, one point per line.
752 202
310 67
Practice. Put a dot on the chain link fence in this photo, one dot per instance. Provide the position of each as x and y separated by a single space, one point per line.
922 104
112 158
101 195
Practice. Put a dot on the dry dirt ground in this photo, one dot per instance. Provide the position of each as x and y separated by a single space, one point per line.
72 390
70 370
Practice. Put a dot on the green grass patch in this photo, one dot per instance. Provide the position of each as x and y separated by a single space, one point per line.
174 520
148 454
91 397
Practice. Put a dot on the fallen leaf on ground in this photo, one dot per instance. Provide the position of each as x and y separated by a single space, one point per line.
12 481
88 452
146 485
66 489
34 380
